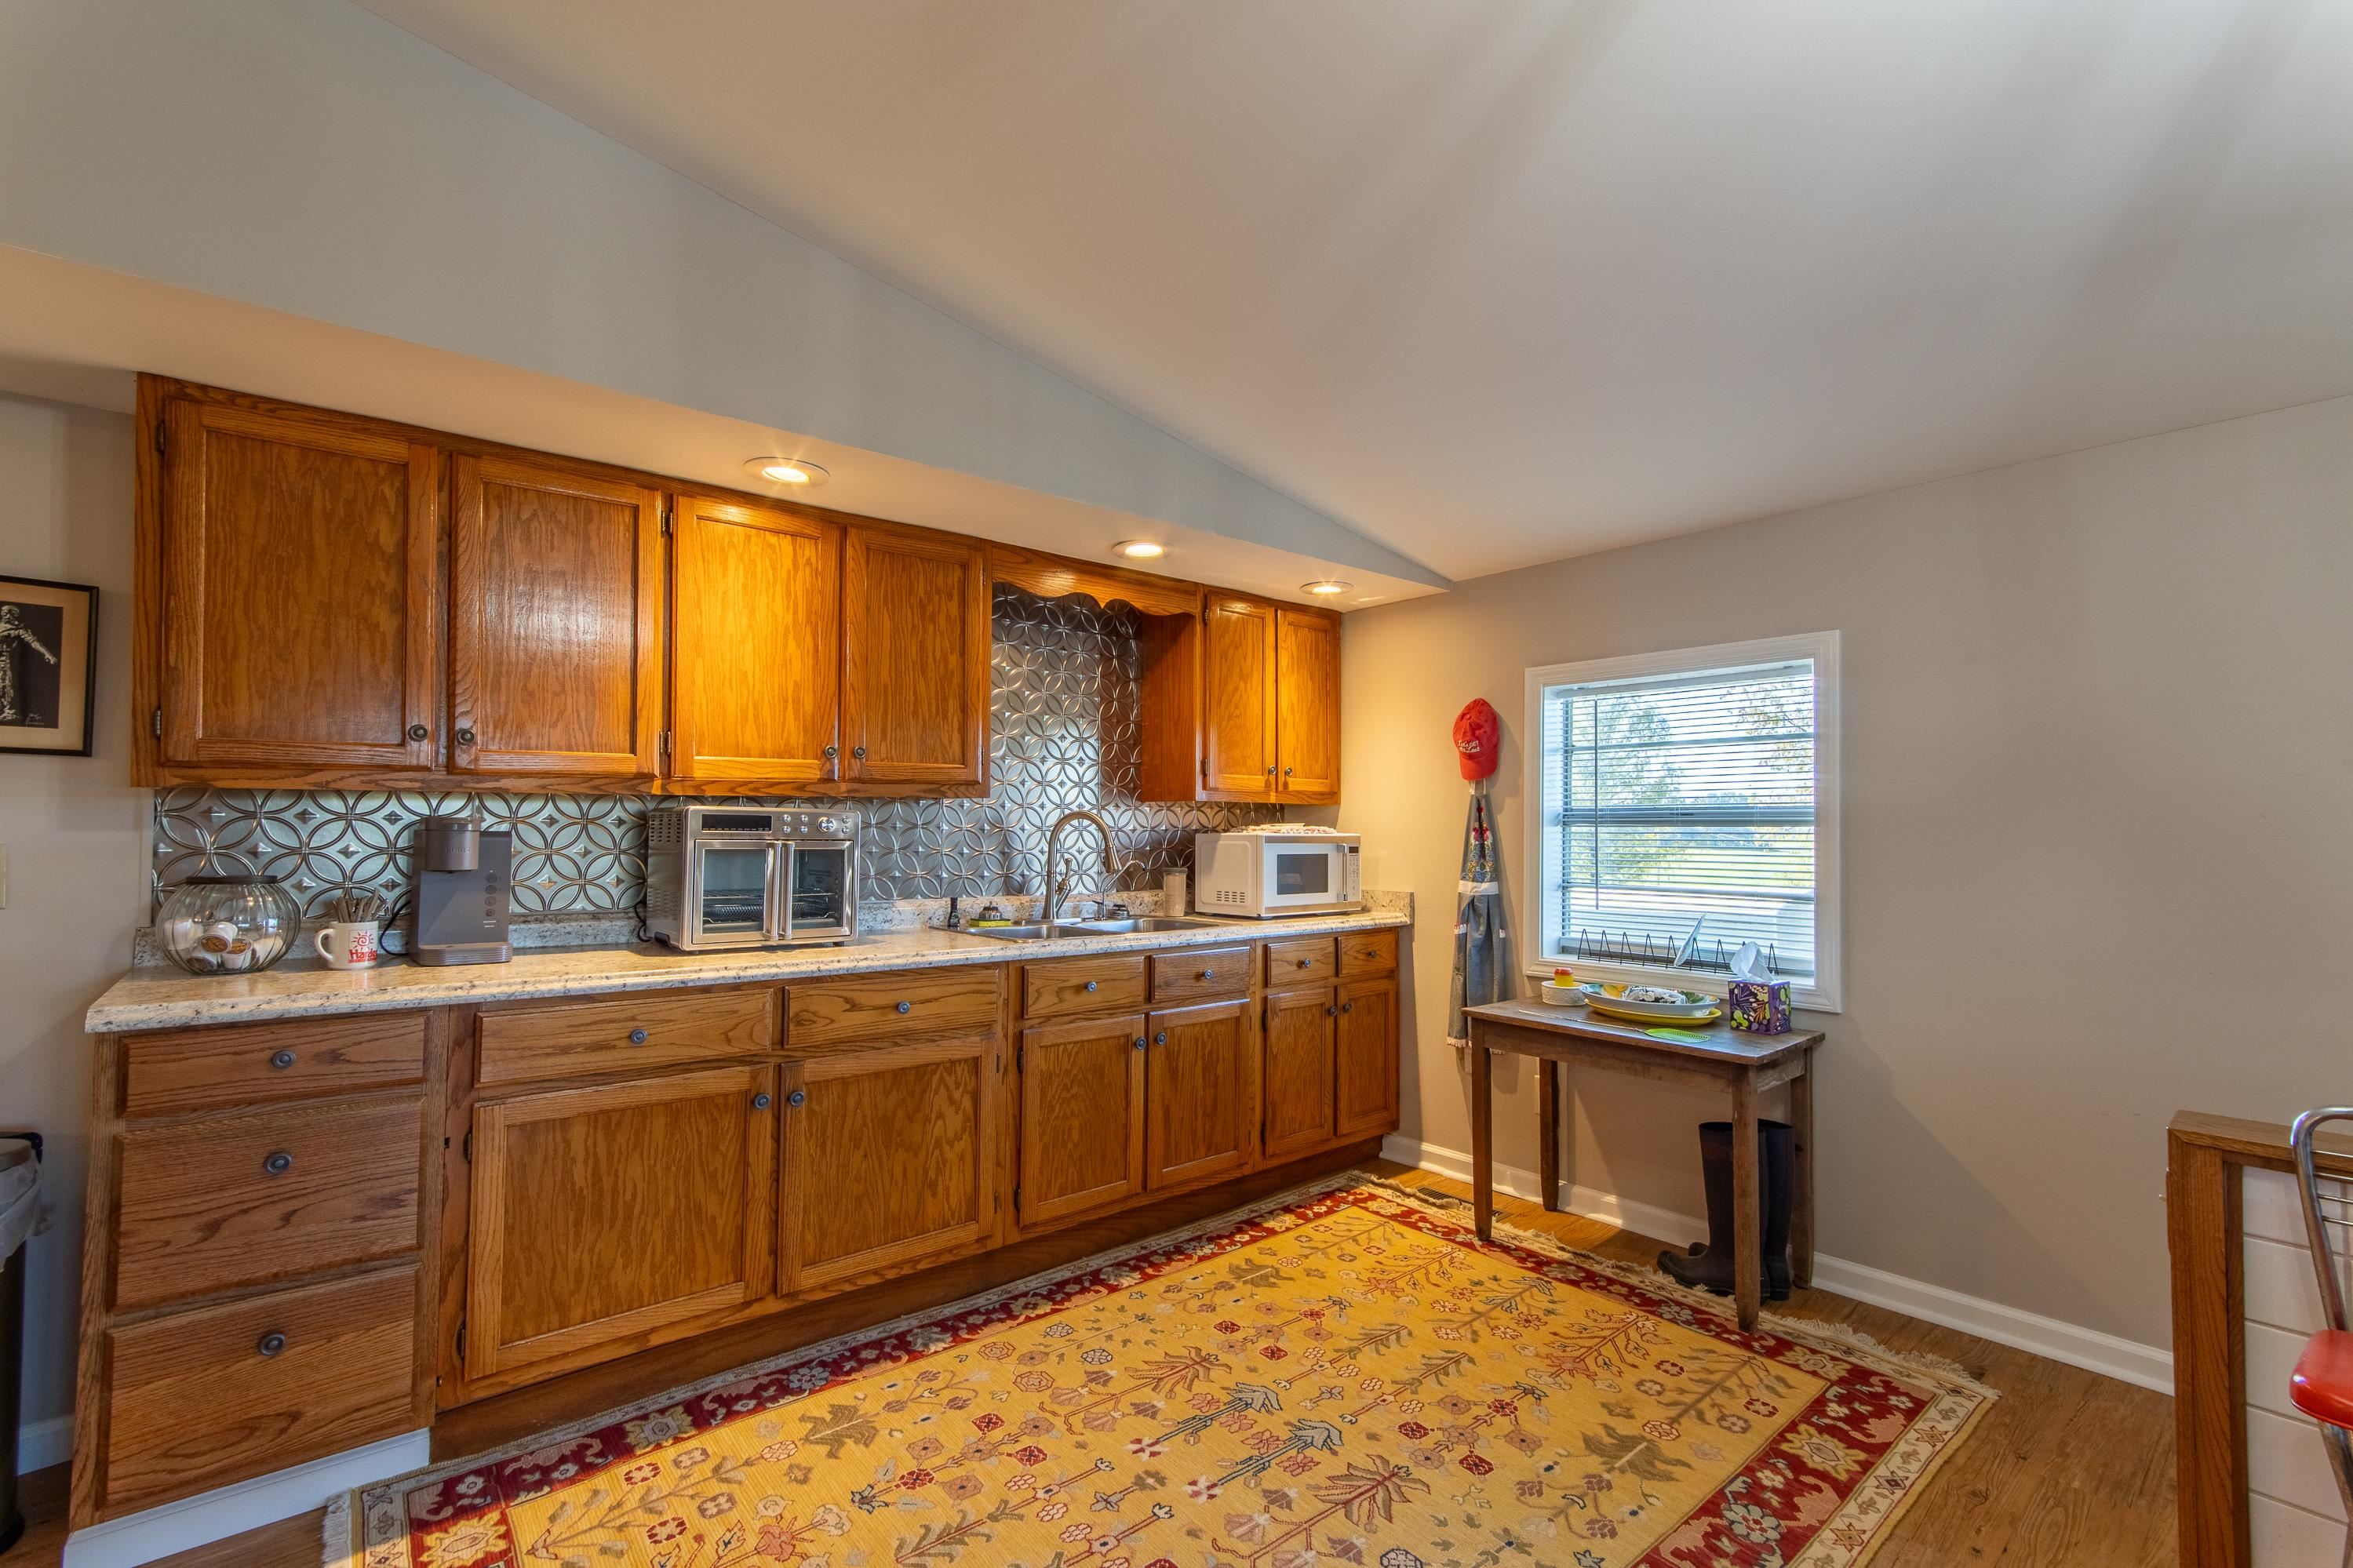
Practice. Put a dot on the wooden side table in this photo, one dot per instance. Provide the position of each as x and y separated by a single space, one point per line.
1747 1064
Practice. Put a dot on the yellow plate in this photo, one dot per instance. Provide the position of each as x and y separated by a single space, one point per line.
1604 1005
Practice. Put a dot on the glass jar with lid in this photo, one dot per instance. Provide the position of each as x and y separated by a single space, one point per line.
236 922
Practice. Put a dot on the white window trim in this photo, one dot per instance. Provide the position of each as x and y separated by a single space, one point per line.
1823 995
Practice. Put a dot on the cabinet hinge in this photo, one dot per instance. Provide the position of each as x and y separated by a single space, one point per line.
1018 1051
1205 770
461 1339
467 1153
158 437
1017 1197
155 723
665 520
665 743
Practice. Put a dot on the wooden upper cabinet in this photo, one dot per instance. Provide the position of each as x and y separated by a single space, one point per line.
1307 705
1202 1098
890 1157
299 560
602 1215
755 652
555 623
915 659
1081 1117
1238 662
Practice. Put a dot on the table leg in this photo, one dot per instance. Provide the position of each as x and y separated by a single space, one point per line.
1747 1238
1801 1214
1549 1133
1482 1141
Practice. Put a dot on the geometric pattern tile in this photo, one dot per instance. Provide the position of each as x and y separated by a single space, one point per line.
1065 733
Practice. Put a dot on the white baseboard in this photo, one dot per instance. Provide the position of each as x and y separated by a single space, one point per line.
173 1527
40 1443
2148 1366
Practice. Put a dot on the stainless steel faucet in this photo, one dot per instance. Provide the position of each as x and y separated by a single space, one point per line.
1054 853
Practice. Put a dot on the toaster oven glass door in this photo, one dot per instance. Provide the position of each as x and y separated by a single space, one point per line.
817 894
731 901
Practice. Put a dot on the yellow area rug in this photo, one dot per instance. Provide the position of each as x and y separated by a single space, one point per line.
1344 1375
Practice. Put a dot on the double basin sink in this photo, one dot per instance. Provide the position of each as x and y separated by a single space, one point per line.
1048 931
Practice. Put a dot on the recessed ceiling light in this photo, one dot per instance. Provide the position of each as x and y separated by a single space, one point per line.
1140 549
1329 585
798 472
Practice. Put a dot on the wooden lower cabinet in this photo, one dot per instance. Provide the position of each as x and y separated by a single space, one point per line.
1364 1060
890 1157
1297 1119
1201 1094
602 1214
1083 1108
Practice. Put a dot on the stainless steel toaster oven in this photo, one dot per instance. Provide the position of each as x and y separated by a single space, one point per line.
729 875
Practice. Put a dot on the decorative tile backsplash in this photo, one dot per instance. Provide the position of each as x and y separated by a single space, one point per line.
1065 733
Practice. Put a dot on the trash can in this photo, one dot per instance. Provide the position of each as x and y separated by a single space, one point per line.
20 1216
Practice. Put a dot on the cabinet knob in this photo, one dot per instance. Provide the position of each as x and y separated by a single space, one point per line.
1091 984
1348 1006
831 752
1139 1042
759 1102
1207 975
1269 769
419 732
797 1099
1286 772
464 737
1161 1039
282 1060
910 1006
1306 961
857 751
269 1343
278 1161
637 1036
1331 1011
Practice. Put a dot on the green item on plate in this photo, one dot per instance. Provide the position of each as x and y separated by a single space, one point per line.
1681 1037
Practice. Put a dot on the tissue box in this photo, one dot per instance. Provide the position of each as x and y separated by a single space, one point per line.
1759 1006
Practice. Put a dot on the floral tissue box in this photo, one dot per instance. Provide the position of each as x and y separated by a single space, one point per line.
1759 1006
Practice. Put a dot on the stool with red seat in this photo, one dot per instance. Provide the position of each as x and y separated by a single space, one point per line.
2322 1384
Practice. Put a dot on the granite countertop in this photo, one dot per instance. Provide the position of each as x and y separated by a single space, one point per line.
162 997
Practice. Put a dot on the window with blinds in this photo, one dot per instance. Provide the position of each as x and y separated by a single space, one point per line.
1679 816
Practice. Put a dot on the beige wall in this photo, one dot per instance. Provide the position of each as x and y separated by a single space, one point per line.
76 849
2098 763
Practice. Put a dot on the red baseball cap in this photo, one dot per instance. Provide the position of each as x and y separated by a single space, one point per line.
1478 738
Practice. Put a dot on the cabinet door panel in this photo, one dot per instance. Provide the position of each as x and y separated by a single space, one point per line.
914 686
603 1213
1081 1117
1307 705
1203 1095
1238 696
1366 1059
300 591
555 630
890 1157
755 670
1298 1084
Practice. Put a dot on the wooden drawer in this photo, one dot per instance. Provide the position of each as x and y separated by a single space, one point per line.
617 1033
1200 974
201 1207
179 1070
1367 953
871 1007
1301 961
1112 983
192 1400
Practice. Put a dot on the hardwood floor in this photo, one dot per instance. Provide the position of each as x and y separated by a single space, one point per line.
2067 1468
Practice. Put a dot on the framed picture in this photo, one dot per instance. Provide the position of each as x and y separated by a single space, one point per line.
48 638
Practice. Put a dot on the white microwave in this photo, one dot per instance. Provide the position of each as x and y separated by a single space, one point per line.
1266 874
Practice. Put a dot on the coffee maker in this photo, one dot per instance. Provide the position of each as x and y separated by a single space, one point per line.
462 879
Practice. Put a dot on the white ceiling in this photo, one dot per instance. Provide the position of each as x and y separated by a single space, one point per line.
1496 283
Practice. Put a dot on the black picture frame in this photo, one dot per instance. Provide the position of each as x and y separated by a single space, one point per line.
49 666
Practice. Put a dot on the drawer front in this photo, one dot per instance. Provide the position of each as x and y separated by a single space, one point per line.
1114 982
617 1034
871 1007
1200 974
194 1400
240 1200
248 1064
1366 954
1301 961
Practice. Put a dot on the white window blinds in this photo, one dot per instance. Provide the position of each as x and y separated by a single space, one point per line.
1679 818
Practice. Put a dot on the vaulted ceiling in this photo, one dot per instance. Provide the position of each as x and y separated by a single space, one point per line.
1504 282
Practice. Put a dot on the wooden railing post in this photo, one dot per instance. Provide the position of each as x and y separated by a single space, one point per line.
2210 1394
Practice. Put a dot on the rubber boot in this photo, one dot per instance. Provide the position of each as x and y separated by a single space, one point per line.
1777 1164
1709 1266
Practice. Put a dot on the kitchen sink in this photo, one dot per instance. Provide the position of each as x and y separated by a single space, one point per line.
1048 932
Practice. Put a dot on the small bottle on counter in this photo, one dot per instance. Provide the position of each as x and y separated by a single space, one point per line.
1172 893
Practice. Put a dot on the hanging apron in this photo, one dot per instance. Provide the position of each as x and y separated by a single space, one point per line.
1481 944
